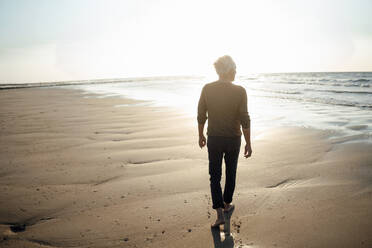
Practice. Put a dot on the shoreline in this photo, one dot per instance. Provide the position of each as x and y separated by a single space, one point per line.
78 171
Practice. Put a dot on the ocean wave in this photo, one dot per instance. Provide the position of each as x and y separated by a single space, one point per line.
328 83
361 80
289 92
249 78
327 101
341 91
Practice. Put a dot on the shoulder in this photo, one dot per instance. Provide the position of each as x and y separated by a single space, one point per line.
240 88
209 85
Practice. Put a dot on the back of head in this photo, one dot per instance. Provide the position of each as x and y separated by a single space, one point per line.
224 65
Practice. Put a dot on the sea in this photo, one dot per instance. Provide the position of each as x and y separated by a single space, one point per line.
339 102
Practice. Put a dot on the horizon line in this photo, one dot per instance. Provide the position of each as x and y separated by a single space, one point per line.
116 79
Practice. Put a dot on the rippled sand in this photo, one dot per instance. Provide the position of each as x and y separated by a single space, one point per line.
78 171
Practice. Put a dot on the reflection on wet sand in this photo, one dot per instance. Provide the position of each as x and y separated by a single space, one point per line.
217 234
224 238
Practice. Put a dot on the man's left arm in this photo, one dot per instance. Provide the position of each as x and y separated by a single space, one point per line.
202 118
202 139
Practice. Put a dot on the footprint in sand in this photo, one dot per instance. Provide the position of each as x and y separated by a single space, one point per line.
207 198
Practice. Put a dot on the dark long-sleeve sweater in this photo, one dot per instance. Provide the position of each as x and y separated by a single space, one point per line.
226 106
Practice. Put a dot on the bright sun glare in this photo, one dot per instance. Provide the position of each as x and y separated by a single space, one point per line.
261 37
107 39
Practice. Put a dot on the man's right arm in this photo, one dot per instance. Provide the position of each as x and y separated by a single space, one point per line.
202 118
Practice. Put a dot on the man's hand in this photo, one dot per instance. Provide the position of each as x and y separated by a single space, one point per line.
247 151
202 141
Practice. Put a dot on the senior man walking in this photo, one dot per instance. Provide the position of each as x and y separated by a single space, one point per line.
226 106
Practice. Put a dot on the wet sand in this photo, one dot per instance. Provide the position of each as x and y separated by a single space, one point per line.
79 171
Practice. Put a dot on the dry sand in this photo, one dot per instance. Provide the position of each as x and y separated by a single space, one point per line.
80 172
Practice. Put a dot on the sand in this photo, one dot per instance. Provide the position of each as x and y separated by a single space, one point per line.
78 171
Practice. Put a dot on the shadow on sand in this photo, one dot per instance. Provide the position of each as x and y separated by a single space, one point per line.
223 239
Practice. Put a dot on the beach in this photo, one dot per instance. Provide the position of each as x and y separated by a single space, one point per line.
79 170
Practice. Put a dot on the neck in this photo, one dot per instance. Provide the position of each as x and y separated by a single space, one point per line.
222 79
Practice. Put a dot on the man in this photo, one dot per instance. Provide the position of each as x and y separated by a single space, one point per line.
226 105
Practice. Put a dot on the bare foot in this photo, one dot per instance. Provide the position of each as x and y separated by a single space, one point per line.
218 222
228 207
220 218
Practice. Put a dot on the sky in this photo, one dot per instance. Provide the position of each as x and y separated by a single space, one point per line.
53 40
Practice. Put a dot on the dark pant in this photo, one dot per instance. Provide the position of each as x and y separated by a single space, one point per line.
219 147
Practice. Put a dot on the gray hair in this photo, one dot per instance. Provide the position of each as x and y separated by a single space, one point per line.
224 65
